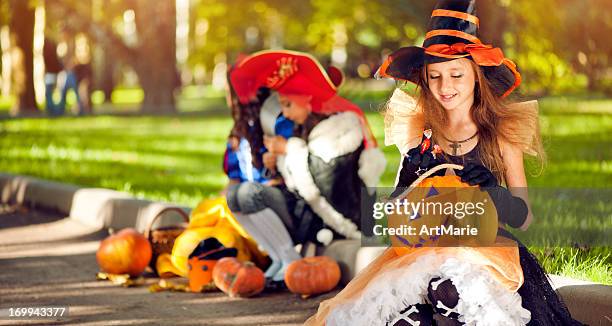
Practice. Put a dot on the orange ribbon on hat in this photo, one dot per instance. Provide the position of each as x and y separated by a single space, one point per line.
483 55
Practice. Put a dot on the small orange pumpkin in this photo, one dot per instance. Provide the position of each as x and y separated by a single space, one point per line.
312 275
238 279
126 252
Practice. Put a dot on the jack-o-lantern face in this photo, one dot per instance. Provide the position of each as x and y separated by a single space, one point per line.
200 273
426 225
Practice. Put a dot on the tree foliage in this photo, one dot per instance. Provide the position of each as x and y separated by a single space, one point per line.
560 46
151 54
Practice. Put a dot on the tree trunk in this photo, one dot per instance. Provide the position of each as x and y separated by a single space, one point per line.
107 73
156 66
22 27
153 58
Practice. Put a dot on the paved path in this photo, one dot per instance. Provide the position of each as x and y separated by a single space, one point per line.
46 259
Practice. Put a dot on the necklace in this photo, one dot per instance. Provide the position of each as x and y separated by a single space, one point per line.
456 144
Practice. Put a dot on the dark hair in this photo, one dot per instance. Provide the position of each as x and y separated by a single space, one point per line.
247 124
304 129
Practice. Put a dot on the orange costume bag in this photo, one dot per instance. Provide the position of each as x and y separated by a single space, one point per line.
211 219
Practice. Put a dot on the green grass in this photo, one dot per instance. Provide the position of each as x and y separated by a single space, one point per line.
173 159
6 102
128 99
178 159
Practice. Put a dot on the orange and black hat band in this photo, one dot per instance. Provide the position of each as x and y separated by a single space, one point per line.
456 14
452 32
483 55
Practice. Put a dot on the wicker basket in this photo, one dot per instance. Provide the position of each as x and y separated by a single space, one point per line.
162 239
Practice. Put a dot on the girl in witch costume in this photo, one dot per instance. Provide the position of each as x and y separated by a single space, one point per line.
459 117
330 158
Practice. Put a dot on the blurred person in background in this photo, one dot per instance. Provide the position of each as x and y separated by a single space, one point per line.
71 82
53 66
84 77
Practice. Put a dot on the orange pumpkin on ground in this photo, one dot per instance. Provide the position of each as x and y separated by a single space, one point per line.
312 275
238 279
126 252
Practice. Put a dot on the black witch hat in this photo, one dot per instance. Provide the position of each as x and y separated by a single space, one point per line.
453 34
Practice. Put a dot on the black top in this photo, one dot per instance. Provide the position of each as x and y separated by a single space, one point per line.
473 156
408 172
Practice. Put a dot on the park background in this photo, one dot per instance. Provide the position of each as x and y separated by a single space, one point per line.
157 122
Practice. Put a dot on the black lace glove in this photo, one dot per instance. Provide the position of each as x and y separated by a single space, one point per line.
423 161
477 175
414 164
511 210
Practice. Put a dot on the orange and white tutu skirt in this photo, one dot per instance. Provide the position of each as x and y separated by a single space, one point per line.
486 279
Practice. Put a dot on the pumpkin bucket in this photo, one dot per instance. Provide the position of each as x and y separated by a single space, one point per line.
445 191
162 239
203 260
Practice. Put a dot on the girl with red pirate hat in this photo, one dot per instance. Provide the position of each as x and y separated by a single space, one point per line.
243 156
461 117
331 156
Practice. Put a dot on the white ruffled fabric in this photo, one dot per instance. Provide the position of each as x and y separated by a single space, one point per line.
482 301
404 121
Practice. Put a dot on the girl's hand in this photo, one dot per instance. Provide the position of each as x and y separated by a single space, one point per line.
415 163
274 182
511 210
276 144
234 142
269 161
477 175
423 161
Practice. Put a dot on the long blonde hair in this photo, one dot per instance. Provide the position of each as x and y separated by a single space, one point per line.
495 121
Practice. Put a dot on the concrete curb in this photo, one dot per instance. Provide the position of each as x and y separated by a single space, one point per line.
101 208
588 302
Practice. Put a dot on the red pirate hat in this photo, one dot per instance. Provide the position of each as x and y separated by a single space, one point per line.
453 34
287 72
295 73
335 75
